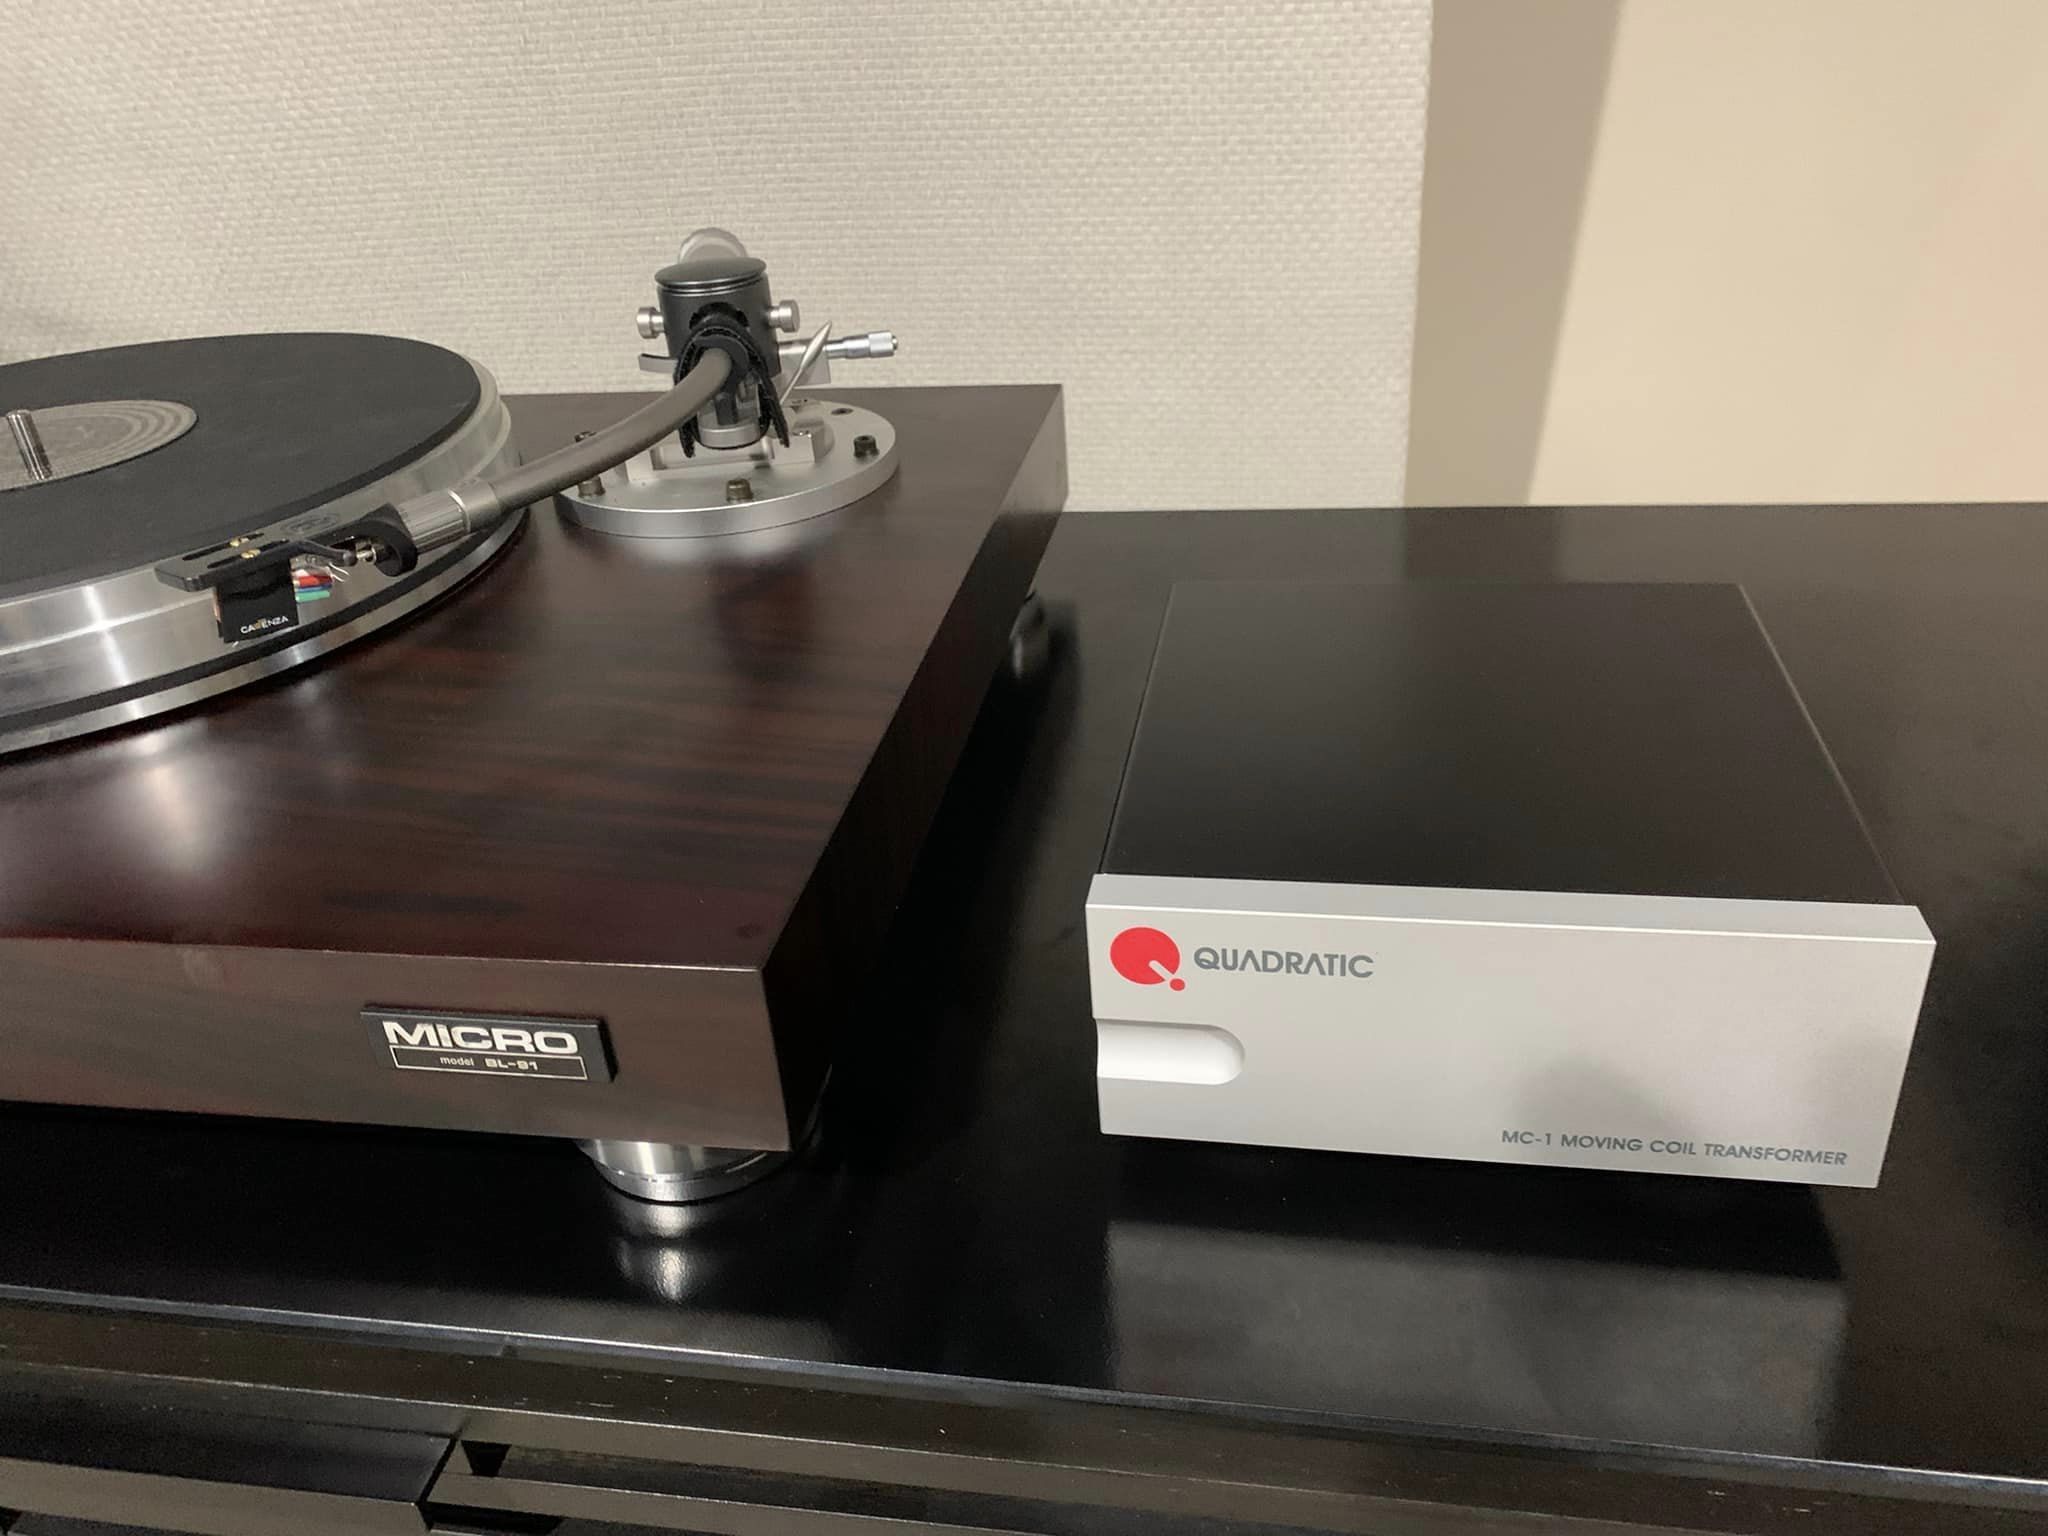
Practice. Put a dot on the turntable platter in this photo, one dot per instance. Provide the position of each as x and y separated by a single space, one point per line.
143 453
280 423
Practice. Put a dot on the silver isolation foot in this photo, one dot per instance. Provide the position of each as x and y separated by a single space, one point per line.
675 1175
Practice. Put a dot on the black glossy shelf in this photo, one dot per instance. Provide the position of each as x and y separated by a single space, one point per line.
961 1228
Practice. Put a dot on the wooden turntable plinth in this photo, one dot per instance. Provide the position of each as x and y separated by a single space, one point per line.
673 785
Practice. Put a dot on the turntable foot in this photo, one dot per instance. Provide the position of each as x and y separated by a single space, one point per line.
676 1175
1030 641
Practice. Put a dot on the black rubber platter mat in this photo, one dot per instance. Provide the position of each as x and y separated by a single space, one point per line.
285 422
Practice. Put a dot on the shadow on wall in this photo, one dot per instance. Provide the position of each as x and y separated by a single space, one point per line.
1516 94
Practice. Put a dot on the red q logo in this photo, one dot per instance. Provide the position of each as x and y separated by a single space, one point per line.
1146 956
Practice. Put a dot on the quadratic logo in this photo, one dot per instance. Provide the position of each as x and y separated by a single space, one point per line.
1149 956
1146 956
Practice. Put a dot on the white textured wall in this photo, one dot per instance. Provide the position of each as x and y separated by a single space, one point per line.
1145 202
1744 251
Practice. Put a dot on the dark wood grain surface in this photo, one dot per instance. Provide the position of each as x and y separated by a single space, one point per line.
611 777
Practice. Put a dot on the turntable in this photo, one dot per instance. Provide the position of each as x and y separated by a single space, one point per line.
592 827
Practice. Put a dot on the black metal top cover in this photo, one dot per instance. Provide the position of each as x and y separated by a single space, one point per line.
1624 738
